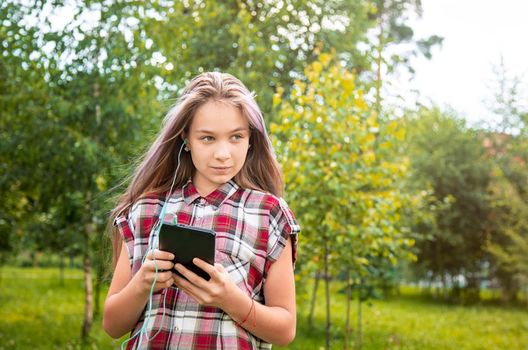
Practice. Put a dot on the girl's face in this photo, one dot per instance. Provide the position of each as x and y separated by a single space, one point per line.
218 140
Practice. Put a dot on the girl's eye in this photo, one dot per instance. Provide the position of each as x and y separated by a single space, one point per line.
237 137
207 138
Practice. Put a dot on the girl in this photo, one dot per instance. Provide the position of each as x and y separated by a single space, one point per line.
211 166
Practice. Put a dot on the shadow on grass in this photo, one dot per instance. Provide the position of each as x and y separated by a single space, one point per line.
425 297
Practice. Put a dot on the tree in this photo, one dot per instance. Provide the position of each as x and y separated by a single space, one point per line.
84 116
393 43
507 146
509 242
451 159
342 177
23 98
265 44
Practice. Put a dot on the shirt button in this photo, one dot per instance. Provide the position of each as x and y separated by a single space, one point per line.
202 201
176 328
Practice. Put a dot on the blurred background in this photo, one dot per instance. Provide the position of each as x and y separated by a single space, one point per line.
400 126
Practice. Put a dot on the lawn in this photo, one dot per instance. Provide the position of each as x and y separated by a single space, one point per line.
38 312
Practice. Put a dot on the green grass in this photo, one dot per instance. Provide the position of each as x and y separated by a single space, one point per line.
411 321
37 312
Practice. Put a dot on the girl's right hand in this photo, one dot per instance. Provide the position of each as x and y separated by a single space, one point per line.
145 276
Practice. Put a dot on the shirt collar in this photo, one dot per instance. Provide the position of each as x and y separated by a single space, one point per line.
215 198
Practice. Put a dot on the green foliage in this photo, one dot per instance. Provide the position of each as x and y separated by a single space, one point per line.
508 148
508 243
393 44
81 114
70 124
265 44
23 95
78 102
339 162
450 158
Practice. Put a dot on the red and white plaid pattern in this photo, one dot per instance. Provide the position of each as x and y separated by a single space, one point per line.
251 231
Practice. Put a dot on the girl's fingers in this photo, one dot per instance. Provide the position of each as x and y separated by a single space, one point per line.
164 277
161 278
159 255
219 267
161 264
168 283
191 276
165 282
195 292
210 269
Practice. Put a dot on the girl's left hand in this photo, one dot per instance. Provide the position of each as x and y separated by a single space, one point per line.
208 293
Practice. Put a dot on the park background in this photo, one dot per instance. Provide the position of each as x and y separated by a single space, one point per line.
414 222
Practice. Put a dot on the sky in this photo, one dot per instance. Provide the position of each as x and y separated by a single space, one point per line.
476 34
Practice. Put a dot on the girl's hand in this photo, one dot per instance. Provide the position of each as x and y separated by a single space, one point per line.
145 276
209 293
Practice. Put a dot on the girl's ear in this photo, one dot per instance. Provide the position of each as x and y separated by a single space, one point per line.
186 142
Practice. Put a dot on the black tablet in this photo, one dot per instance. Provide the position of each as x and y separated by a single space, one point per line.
187 243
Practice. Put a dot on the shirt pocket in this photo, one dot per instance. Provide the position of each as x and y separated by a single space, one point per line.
236 257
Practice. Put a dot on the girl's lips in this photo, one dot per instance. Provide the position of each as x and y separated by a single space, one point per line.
222 169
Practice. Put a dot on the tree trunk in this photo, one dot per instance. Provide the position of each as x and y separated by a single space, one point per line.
327 294
379 61
359 320
445 291
97 294
34 258
347 320
509 294
87 265
314 296
72 264
430 287
61 269
88 295
89 228
436 293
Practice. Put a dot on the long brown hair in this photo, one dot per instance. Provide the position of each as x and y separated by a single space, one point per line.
157 166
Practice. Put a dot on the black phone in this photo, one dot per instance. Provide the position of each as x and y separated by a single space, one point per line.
186 243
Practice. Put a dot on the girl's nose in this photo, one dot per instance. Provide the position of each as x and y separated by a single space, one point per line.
222 152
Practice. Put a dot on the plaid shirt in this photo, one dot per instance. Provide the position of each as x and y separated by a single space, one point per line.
251 231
